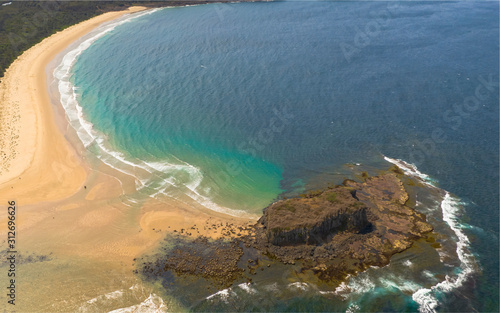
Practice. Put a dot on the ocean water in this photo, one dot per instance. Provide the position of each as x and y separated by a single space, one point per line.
235 105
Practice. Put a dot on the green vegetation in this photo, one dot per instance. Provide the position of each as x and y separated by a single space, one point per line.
312 193
288 206
332 197
25 23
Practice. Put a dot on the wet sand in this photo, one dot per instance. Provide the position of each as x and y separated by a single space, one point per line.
72 211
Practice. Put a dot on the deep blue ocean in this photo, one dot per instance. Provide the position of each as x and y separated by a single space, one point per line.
236 105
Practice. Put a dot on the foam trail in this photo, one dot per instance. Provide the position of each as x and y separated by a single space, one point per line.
248 288
152 178
411 170
343 290
299 286
153 304
224 295
450 207
353 308
400 283
356 285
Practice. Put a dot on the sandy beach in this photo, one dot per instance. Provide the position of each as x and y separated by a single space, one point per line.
37 163
71 214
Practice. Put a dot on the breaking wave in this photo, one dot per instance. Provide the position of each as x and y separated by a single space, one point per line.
355 290
149 302
153 304
451 209
152 178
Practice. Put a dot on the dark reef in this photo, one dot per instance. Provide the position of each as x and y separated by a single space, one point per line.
344 229
333 232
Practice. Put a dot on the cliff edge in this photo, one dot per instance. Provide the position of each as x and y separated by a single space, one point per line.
343 229
335 232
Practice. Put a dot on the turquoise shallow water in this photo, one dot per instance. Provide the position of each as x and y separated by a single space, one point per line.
234 105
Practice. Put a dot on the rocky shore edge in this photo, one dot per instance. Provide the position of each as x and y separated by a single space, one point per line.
334 232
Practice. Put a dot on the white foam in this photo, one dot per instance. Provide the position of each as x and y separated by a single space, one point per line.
114 295
450 208
411 170
135 287
361 284
108 296
353 308
342 290
153 304
223 295
355 285
93 300
158 177
426 297
428 274
248 288
407 263
399 283
299 285
67 91
426 300
327 292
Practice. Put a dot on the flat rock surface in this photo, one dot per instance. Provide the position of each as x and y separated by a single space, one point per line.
333 232
376 225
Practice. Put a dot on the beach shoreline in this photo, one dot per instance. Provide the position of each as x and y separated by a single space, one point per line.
73 208
84 228
36 143
51 164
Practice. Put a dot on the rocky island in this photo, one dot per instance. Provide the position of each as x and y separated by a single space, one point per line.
334 232
343 229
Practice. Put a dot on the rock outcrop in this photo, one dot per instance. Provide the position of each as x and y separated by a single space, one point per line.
334 232
315 219
343 229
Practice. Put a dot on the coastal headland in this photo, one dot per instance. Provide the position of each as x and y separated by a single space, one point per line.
332 233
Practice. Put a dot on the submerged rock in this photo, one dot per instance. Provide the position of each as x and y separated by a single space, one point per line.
333 232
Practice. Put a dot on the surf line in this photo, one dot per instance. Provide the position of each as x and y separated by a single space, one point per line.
152 178
450 208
